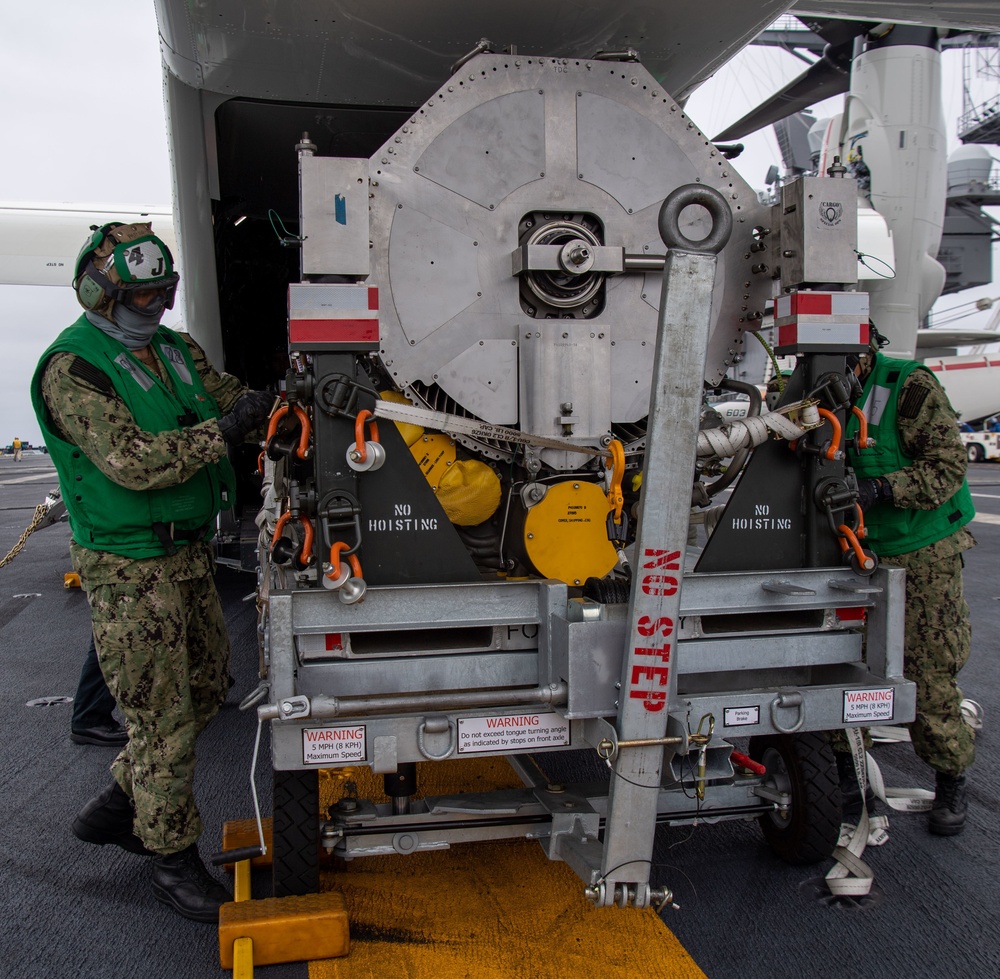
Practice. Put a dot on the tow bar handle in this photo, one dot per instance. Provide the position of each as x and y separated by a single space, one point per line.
235 856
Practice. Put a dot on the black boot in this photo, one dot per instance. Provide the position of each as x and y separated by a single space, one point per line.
850 789
947 817
108 818
182 881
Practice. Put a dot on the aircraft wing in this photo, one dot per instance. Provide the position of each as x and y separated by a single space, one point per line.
954 338
390 53
39 243
970 15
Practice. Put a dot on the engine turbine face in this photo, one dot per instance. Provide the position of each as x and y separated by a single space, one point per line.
527 190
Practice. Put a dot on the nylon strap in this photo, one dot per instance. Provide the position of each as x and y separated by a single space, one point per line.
851 876
902 800
722 442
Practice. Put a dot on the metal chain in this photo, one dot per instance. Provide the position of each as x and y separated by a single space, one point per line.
36 521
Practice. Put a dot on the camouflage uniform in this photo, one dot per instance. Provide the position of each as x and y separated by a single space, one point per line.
937 631
158 622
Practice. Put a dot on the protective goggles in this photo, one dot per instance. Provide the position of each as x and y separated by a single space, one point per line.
148 282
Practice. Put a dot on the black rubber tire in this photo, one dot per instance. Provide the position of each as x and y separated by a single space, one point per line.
295 846
975 453
805 764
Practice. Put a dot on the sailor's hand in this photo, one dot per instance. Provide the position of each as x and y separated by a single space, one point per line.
249 413
873 491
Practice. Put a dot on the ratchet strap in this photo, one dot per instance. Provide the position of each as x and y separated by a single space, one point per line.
721 442
851 876
441 421
911 800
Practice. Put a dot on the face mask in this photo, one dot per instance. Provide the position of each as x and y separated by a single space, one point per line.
130 328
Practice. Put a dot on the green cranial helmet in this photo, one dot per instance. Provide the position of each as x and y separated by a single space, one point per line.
125 264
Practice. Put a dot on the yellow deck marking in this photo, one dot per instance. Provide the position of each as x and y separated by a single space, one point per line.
485 910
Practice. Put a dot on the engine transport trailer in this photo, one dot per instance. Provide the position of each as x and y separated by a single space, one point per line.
481 486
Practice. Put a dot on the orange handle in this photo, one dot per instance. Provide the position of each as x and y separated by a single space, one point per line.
359 433
305 557
615 498
831 452
352 560
302 450
307 543
863 441
848 539
276 416
279 527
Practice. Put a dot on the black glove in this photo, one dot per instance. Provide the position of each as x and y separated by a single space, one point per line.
873 491
250 412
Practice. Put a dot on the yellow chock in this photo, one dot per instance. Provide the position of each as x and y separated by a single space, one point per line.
238 833
71 580
297 928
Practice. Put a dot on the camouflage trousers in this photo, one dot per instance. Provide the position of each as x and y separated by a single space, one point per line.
164 651
937 643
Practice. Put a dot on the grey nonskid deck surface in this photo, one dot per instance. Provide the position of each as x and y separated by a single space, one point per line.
74 910
71 909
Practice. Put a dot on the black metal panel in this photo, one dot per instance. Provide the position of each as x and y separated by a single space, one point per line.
406 538
763 526
772 519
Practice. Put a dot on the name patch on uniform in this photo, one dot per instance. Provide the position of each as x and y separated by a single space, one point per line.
876 403
135 371
176 360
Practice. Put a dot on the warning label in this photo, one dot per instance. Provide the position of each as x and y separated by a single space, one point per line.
866 706
323 745
511 733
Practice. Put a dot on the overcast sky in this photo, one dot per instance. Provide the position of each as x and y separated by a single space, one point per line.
81 112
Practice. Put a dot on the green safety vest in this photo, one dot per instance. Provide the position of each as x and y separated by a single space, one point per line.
104 515
896 530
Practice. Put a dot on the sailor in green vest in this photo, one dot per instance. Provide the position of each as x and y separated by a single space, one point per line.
916 505
139 425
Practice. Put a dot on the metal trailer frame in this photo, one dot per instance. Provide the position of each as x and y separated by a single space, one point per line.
772 681
762 653
424 672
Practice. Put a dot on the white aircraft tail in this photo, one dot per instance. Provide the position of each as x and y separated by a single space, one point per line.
39 242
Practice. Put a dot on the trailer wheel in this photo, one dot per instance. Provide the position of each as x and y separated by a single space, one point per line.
295 845
975 452
804 766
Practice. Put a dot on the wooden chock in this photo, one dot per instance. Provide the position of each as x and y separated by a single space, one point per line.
297 928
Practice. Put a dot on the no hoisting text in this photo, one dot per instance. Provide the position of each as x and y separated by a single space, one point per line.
402 521
762 519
